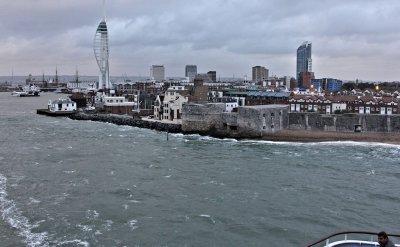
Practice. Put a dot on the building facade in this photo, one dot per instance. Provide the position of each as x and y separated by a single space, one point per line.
327 84
304 60
212 75
191 72
62 105
259 73
168 107
157 72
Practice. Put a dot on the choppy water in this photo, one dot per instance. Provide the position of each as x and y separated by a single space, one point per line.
76 183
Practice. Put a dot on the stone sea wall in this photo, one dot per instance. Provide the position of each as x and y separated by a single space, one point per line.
128 120
344 122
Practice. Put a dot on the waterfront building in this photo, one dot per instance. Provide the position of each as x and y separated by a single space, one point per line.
168 107
259 73
157 73
118 105
212 75
101 52
304 60
310 103
62 105
331 104
230 103
191 72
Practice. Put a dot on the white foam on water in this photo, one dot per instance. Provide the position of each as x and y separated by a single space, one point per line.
85 228
69 172
75 241
13 216
208 217
133 224
328 143
108 224
33 200
92 214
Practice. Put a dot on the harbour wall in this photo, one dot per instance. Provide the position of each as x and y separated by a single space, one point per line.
344 122
128 120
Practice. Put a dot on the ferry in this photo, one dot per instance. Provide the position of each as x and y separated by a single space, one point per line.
359 239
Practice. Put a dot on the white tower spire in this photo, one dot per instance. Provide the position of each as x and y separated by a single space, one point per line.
104 11
101 52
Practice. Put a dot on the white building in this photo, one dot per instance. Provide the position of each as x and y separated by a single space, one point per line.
62 105
118 105
157 72
117 101
168 107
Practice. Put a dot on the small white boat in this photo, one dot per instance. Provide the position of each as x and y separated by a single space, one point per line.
17 94
352 239
27 91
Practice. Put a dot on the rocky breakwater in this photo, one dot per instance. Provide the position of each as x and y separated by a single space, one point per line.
129 121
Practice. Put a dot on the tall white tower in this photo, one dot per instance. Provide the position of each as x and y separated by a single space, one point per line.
101 52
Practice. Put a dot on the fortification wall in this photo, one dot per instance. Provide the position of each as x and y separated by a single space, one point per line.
344 122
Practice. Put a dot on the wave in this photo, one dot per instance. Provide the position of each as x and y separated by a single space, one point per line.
326 143
74 242
13 216
286 143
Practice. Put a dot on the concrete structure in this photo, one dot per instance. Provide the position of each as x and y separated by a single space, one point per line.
191 72
157 73
304 60
259 73
62 105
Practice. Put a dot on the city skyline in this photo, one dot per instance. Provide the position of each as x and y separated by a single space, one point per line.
229 37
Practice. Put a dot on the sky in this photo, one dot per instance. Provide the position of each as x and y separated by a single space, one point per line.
351 38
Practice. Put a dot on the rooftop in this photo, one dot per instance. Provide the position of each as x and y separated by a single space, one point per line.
266 106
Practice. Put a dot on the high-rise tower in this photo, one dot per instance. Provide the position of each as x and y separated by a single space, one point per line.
304 61
101 52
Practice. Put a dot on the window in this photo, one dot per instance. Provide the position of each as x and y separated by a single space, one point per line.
272 126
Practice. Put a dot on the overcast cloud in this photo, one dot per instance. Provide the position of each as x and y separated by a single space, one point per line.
351 38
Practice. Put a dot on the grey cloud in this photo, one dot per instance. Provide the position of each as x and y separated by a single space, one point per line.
227 35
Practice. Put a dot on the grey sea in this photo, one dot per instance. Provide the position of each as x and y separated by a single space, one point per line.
82 183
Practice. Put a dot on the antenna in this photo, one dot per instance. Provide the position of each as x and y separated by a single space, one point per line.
104 10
